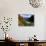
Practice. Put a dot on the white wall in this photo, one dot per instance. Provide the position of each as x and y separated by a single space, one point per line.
45 29
12 8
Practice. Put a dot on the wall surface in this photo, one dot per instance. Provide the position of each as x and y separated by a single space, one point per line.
11 8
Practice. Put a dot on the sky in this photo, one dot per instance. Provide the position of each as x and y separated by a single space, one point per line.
26 15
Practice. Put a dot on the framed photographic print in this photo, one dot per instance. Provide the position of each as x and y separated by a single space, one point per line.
25 20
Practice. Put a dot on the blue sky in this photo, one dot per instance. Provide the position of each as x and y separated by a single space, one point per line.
26 15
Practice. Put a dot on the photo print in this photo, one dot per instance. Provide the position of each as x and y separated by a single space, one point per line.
25 20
